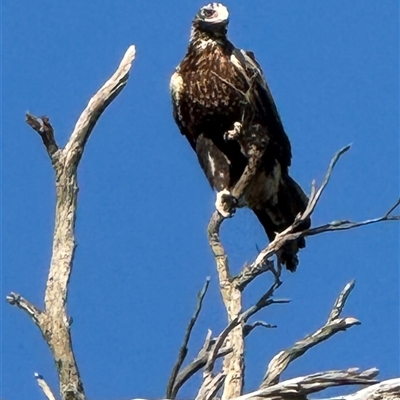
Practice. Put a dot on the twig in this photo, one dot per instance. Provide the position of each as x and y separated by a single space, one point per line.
44 386
393 208
43 127
53 321
250 272
264 301
341 301
334 325
15 299
172 390
345 225
248 328
314 198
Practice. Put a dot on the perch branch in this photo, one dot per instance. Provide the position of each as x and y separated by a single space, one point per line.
53 321
44 386
172 389
232 298
334 325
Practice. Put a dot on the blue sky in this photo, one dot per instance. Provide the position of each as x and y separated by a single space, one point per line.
144 203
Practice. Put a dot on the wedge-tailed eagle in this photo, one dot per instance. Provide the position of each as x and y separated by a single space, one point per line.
216 90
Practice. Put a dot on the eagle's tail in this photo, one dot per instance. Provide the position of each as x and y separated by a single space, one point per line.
277 217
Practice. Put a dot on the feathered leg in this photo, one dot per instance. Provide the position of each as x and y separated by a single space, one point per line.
216 166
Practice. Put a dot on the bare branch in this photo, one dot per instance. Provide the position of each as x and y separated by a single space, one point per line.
211 350
248 328
15 299
299 388
172 390
302 386
53 321
210 387
232 298
341 301
387 390
44 386
262 263
212 356
216 246
393 208
317 194
264 301
197 364
249 272
97 104
334 325
43 127
342 225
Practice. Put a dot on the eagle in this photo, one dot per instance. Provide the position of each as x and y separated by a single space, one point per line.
218 93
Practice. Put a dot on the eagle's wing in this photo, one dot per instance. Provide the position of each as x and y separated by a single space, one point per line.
177 87
262 100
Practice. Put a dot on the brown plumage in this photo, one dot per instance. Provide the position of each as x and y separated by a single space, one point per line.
218 88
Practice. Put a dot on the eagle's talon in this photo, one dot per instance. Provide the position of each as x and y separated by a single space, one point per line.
226 203
234 133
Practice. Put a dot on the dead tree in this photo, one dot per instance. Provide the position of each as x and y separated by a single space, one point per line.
54 322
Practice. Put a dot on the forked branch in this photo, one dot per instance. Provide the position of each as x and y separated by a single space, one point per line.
232 287
53 321
334 325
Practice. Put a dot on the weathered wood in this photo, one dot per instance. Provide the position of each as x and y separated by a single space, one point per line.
53 321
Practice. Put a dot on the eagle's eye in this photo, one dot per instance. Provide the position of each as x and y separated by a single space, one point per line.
207 13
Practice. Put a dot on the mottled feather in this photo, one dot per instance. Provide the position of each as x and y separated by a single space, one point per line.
218 87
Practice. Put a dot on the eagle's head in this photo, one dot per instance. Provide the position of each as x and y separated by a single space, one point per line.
212 19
